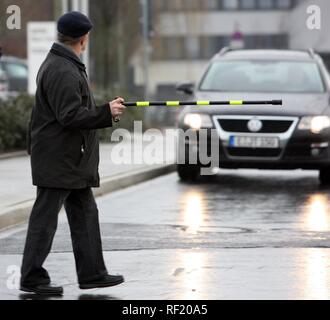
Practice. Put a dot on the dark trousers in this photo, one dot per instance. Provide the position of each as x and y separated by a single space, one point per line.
83 219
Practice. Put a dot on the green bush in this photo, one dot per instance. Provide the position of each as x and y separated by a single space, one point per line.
14 117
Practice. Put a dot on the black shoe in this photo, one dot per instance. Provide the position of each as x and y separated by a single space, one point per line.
104 282
43 289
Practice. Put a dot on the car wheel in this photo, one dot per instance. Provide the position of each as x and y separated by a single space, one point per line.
324 176
188 172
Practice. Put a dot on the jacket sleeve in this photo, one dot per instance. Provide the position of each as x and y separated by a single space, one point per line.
65 99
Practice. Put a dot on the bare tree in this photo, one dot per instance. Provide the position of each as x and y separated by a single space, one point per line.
114 41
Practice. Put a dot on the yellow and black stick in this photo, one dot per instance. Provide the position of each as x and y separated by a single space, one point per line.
201 103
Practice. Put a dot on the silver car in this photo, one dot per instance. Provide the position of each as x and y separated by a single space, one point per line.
17 72
4 85
293 136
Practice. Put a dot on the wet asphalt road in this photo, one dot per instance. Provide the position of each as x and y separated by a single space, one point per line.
241 234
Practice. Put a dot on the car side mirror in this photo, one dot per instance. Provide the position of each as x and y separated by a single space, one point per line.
187 88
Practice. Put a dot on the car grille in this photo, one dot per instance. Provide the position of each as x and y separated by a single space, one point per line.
249 152
268 126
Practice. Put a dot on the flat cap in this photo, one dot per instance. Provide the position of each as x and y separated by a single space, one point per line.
74 24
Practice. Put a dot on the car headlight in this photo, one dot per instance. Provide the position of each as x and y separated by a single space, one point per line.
314 124
197 121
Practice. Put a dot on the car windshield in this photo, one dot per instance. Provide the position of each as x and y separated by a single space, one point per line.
2 74
263 76
16 70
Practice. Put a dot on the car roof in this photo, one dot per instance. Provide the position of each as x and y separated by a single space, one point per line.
265 54
12 59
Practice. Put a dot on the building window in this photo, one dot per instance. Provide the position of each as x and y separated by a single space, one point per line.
284 4
230 4
193 5
248 4
276 41
160 5
205 47
212 4
266 4
281 41
211 45
192 47
174 49
171 5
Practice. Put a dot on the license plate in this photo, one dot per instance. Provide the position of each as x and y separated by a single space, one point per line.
254 142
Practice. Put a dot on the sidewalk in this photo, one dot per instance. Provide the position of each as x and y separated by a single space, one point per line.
17 191
255 273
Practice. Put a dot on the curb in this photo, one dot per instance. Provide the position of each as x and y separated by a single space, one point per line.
20 213
129 179
11 155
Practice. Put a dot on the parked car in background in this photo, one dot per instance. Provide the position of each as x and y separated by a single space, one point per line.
4 85
17 74
293 136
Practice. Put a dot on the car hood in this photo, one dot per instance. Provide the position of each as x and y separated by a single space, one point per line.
293 104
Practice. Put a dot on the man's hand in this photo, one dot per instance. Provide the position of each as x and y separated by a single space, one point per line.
117 107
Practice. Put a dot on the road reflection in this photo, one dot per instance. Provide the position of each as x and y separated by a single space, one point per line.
193 214
317 219
32 296
97 297
193 276
317 213
295 205
317 275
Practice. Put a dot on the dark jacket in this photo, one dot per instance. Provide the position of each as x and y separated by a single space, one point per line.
64 144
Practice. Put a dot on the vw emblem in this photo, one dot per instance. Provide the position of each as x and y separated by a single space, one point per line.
254 125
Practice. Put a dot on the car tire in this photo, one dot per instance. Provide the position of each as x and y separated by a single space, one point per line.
188 172
324 176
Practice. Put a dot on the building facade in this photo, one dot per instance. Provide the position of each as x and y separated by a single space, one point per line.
187 33
14 42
